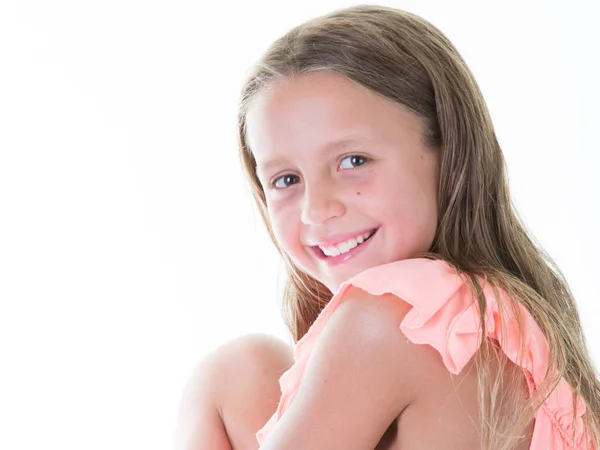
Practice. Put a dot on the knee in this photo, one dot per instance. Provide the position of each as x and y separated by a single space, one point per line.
242 363
252 355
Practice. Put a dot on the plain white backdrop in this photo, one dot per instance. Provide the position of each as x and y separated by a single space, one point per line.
129 244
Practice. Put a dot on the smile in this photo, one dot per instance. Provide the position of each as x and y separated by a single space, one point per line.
346 250
346 246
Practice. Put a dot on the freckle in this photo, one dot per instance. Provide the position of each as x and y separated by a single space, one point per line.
358 193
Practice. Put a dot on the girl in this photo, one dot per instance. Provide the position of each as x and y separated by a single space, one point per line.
375 166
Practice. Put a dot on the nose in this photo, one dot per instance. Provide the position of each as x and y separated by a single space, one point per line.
320 204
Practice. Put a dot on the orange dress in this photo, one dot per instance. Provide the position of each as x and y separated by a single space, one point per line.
445 316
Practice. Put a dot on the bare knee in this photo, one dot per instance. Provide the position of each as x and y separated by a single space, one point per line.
240 380
253 351
248 362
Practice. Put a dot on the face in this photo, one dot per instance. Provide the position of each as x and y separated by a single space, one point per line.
348 181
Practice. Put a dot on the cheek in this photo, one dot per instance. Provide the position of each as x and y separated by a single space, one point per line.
284 229
276 225
417 220
407 207
287 234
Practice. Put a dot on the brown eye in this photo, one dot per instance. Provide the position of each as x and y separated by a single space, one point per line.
353 161
284 181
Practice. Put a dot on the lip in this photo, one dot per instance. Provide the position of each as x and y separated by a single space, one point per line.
337 238
335 260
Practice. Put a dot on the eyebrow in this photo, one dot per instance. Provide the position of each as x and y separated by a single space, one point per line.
337 144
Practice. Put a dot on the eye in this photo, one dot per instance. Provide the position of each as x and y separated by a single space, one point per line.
284 181
353 161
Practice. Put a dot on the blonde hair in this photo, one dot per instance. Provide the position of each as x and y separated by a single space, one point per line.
407 60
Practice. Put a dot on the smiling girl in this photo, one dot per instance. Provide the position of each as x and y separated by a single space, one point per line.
423 316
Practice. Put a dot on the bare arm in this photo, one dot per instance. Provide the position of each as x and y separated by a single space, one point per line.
359 378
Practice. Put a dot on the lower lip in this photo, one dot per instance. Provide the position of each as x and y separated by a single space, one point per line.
340 259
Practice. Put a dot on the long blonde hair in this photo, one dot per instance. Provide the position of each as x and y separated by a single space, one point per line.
407 60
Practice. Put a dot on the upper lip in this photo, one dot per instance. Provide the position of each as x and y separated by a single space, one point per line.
335 239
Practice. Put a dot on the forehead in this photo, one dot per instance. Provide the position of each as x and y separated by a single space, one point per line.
314 110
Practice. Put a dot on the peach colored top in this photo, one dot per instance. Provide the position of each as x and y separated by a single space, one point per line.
445 316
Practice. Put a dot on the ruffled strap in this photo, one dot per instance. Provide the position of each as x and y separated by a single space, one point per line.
445 315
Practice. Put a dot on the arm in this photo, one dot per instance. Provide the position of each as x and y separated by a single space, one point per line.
358 379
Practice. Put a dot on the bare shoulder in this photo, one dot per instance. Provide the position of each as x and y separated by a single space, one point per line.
393 378
366 328
387 308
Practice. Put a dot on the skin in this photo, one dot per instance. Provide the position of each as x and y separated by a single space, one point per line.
315 189
335 158
232 393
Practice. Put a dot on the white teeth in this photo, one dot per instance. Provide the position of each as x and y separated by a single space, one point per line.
344 247
330 251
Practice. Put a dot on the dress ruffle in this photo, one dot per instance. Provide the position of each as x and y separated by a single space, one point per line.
445 315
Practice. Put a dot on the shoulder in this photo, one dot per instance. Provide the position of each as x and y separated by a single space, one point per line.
363 317
364 332
385 309
357 364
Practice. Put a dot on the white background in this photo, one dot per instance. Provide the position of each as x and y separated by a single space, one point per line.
129 246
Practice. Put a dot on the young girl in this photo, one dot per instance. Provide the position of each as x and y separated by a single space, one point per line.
375 166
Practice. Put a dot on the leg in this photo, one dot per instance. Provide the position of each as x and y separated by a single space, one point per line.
233 393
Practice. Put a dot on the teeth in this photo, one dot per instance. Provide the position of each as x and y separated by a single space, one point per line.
344 247
330 251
